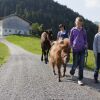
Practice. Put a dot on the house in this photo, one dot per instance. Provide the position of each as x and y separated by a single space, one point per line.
14 24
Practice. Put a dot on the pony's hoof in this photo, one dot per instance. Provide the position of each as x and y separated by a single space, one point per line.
55 74
41 59
59 80
46 63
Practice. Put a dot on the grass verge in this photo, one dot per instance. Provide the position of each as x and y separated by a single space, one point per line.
4 53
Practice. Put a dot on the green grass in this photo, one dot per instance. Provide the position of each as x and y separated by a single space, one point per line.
4 53
32 44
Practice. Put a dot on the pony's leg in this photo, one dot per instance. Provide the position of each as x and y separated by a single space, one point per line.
47 54
54 69
59 73
45 57
42 56
64 71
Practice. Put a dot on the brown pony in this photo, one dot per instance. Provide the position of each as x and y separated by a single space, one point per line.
46 38
60 55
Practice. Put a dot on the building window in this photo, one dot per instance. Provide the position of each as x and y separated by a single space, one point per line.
9 30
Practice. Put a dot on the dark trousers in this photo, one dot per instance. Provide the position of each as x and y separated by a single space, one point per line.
97 66
78 60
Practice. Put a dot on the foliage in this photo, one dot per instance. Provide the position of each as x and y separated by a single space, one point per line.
37 28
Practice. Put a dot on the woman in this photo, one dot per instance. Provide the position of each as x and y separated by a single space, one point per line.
62 34
78 40
96 49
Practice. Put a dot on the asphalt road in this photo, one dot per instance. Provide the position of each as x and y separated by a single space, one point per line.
25 77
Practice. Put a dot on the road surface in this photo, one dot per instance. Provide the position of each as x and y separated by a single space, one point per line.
25 77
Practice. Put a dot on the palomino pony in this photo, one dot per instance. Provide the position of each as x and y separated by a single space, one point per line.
60 55
46 38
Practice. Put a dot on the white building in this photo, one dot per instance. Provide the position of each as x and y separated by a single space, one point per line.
14 24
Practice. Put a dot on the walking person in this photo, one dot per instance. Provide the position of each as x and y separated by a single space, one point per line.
96 49
62 34
78 40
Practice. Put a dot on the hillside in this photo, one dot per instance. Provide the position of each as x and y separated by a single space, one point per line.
46 12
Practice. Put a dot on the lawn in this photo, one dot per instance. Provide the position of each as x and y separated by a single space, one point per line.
32 44
4 53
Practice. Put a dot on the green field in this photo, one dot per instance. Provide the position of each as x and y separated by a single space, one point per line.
4 53
32 44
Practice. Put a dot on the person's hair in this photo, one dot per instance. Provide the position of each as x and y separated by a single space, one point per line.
99 28
80 19
61 25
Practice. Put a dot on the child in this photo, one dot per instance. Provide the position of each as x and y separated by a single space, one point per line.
96 49
78 39
62 33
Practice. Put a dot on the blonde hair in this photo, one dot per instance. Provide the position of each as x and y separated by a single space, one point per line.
79 19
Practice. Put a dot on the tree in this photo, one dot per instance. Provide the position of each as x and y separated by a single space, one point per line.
37 28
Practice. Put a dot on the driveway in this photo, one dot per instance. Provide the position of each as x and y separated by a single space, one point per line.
25 77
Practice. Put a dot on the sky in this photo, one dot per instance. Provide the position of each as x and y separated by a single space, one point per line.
87 8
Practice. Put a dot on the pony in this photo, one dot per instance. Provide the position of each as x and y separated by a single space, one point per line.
46 38
59 56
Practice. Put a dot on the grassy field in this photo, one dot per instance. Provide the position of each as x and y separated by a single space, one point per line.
32 44
4 53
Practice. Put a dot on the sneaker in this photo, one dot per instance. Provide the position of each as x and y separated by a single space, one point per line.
80 82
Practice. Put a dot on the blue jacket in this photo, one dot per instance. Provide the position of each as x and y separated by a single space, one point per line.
62 35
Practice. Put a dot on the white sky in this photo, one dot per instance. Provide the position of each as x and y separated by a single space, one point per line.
90 9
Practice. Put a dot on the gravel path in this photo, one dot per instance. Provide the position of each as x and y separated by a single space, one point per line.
25 77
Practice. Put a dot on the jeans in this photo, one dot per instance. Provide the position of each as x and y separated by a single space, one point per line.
78 60
97 66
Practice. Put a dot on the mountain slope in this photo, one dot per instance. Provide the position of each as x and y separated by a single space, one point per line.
46 12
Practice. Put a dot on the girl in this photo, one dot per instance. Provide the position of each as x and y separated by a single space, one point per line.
78 40
62 33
